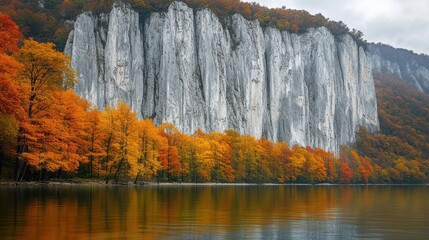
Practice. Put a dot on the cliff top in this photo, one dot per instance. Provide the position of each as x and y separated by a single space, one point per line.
292 20
50 22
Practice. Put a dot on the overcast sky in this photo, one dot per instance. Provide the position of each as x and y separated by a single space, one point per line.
400 23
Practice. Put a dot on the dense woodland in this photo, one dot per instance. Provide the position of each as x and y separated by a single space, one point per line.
52 20
49 132
402 146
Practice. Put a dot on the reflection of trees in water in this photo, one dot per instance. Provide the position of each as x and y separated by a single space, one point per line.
334 212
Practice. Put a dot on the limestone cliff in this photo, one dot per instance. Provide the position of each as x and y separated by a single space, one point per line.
184 66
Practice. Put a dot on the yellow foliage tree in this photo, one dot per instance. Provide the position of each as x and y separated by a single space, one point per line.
295 166
93 137
150 144
222 169
44 72
126 128
204 158
109 142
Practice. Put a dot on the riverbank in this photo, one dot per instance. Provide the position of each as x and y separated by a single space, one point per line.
90 182
103 183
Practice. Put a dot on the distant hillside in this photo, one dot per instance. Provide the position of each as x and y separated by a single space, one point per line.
402 146
401 64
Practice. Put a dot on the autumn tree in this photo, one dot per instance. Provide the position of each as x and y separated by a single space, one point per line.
380 175
44 71
8 133
329 160
345 174
10 106
268 155
314 168
188 158
109 142
280 165
93 137
10 99
150 144
247 160
73 124
204 158
406 171
295 165
9 35
222 169
58 130
171 164
365 169
125 127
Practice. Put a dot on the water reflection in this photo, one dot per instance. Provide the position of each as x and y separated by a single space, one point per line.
214 212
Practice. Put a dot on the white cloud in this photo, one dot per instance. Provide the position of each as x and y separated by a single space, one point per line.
399 23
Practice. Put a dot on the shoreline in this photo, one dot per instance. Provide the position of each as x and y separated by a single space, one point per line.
151 184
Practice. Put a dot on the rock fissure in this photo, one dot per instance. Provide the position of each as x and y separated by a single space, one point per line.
185 67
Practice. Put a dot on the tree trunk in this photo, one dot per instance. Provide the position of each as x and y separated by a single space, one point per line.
40 175
1 161
90 166
23 172
18 170
108 174
137 177
20 149
119 168
61 174
15 174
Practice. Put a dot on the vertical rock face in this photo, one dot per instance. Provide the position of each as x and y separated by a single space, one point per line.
247 77
123 58
107 52
402 64
318 88
86 46
180 99
185 67
213 44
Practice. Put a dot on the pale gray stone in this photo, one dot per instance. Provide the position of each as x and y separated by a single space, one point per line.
183 66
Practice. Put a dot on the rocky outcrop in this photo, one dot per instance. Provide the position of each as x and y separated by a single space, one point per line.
184 66
402 64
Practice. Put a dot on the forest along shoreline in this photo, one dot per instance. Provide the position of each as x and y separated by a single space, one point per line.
48 132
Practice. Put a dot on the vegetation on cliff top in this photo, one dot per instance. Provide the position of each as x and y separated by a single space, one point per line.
52 20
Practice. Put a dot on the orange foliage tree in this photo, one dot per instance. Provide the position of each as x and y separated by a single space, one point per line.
171 161
10 108
57 132
44 72
60 133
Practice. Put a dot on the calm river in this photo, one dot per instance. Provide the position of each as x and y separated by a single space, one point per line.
214 212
